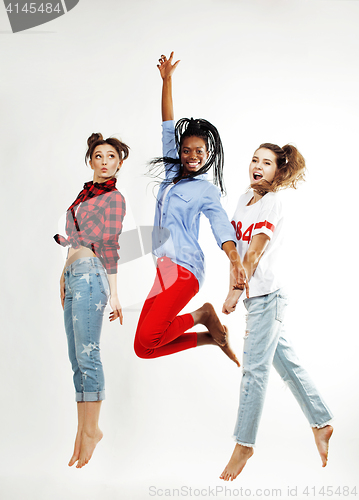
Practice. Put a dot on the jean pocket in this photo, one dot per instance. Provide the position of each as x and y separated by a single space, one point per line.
67 283
103 283
80 267
281 304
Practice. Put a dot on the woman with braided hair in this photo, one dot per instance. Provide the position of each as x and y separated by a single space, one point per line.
190 149
258 222
89 281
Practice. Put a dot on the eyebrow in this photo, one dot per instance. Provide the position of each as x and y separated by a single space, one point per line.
266 159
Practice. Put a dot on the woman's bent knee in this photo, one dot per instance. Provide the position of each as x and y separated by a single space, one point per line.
140 350
148 339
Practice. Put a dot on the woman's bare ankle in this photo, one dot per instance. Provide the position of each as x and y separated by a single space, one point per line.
88 445
206 315
205 338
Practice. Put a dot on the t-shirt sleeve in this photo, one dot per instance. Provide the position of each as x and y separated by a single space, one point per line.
169 147
269 215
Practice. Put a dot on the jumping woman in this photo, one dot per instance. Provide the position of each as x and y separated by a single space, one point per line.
258 222
190 149
89 279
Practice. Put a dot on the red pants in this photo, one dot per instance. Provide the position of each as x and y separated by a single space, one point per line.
160 331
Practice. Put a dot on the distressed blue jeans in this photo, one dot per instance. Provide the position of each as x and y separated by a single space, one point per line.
265 344
86 295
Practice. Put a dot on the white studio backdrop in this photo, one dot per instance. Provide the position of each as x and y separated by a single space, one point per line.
261 71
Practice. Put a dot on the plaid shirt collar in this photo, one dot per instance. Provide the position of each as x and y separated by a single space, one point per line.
97 188
92 189
102 186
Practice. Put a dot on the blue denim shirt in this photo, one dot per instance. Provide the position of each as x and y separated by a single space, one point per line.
179 212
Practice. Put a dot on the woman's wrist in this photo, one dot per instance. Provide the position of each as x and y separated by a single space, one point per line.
234 294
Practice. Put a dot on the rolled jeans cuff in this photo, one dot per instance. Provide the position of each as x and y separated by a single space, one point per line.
247 445
90 396
320 426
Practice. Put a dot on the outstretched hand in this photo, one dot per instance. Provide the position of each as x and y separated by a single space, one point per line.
166 67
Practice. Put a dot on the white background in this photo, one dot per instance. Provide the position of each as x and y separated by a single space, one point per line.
261 71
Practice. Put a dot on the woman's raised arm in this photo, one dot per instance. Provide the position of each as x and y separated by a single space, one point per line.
166 69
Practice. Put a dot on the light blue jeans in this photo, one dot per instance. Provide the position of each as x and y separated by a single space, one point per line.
86 296
265 344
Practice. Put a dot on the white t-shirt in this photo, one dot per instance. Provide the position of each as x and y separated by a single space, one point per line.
265 216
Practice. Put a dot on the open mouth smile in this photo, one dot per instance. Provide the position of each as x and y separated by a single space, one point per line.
257 176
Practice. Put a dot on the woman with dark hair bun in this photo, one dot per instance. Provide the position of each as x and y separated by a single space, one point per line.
258 223
190 149
89 280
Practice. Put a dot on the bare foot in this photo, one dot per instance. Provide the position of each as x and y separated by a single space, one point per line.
88 444
226 348
77 448
322 437
206 315
205 338
237 462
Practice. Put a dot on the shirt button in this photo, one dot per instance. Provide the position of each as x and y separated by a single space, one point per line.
161 260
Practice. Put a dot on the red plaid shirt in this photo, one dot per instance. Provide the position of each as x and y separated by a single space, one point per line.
94 220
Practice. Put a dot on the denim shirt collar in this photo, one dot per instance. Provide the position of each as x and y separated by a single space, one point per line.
202 177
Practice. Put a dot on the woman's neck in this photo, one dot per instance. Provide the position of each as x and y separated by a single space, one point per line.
101 180
256 197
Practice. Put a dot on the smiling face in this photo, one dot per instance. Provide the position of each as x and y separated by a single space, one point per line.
262 166
105 162
194 154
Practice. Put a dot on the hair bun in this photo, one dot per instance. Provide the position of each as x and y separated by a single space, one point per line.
97 139
93 138
289 149
194 127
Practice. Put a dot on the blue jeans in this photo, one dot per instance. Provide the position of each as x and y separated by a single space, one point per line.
264 344
86 296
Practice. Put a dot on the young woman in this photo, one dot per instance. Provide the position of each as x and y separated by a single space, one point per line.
189 150
89 278
258 222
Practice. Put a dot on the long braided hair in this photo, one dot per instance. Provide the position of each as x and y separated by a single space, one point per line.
203 129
